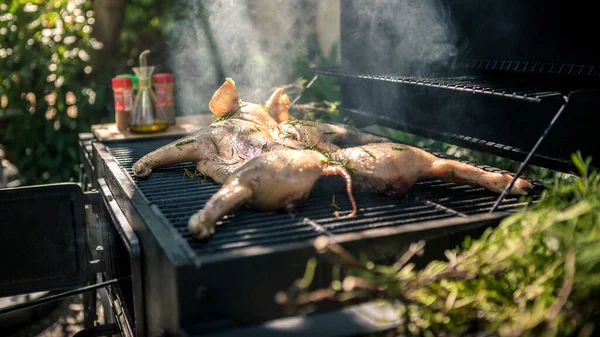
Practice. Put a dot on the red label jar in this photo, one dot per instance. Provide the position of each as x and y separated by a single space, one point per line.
163 87
123 96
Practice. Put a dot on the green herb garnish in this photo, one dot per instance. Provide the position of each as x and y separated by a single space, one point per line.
312 147
333 203
191 175
293 121
338 163
368 152
216 146
227 115
398 148
187 141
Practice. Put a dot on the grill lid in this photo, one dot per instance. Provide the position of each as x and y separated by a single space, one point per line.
43 243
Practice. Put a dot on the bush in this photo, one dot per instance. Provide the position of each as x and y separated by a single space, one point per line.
48 86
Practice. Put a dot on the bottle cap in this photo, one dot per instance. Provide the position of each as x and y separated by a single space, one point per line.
162 78
122 82
133 78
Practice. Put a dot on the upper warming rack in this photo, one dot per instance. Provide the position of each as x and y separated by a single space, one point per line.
503 87
541 68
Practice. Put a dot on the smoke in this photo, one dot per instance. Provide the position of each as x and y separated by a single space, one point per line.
407 37
256 42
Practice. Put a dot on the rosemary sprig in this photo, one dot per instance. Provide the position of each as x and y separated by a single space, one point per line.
191 175
368 152
397 148
333 203
228 114
345 164
187 141
313 147
293 121
216 146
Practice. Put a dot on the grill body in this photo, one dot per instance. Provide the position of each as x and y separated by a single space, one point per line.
230 280
512 69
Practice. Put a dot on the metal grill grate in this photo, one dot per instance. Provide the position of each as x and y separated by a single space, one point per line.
509 88
177 196
534 67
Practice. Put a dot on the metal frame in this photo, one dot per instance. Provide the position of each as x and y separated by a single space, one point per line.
163 254
132 244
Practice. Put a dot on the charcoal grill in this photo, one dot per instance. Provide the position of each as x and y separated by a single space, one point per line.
496 96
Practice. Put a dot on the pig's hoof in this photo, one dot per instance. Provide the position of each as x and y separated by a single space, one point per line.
199 226
141 170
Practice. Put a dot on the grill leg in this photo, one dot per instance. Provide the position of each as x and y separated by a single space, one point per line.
89 309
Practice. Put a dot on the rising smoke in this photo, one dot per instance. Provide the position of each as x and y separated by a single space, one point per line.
405 37
254 42
257 42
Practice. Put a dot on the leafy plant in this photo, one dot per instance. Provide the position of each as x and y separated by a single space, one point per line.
146 25
47 86
537 273
49 89
321 101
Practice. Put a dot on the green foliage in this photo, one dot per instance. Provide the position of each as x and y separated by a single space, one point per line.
146 25
47 85
537 273
322 100
49 89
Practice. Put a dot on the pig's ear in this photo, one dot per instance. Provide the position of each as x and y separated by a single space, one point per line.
285 100
278 109
225 99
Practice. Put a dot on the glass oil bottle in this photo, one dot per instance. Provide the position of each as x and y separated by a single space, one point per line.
147 115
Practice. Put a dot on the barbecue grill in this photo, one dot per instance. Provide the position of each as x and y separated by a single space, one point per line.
158 281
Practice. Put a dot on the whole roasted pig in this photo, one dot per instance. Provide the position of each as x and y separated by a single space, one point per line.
270 162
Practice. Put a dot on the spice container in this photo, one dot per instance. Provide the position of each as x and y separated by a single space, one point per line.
123 96
163 87
135 82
